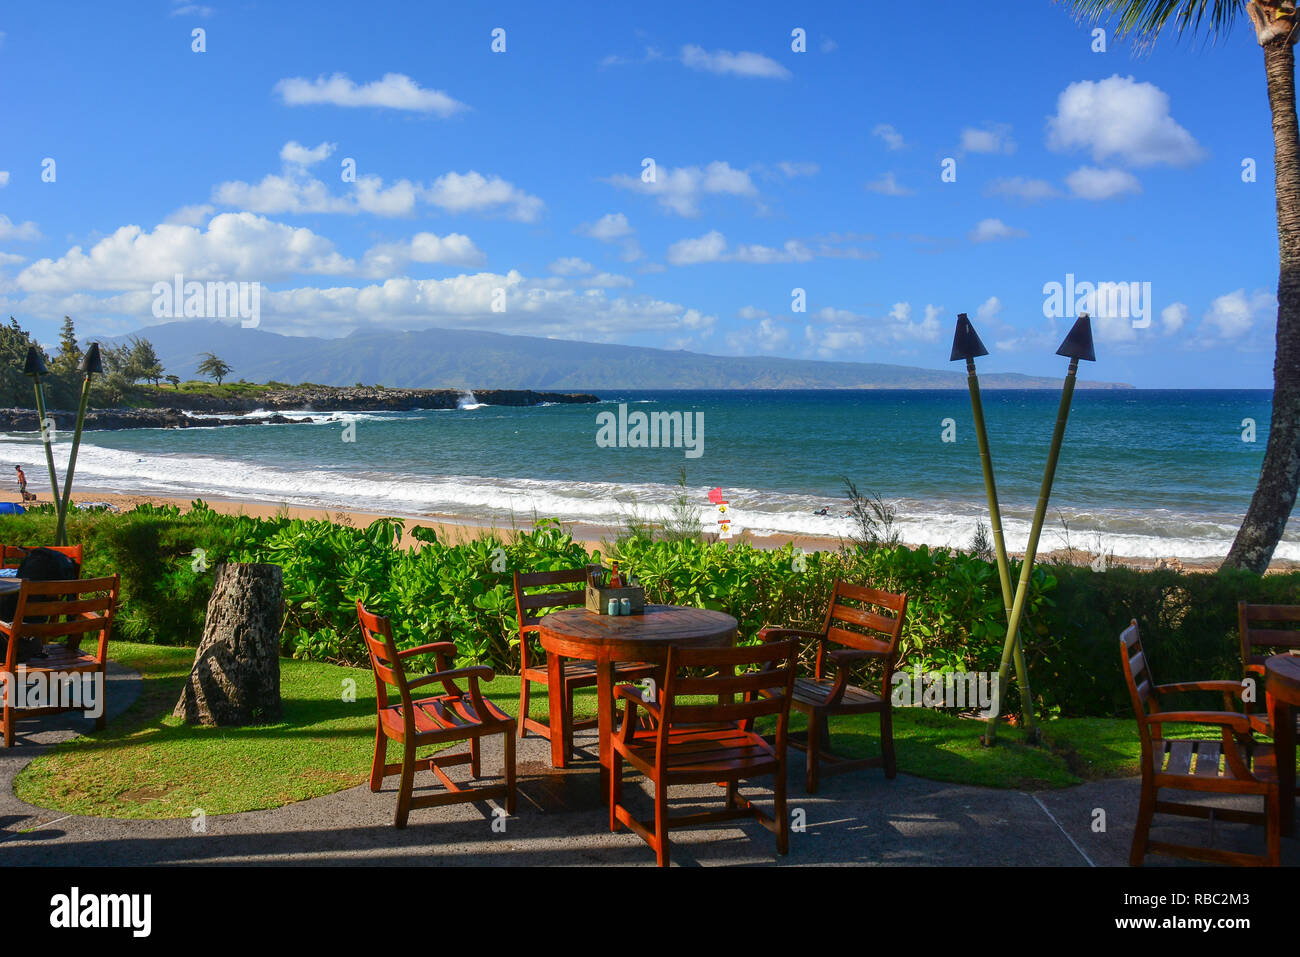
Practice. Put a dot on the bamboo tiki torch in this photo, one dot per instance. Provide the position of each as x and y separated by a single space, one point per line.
1077 345
966 344
35 367
90 365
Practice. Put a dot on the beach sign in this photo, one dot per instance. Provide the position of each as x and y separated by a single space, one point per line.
725 527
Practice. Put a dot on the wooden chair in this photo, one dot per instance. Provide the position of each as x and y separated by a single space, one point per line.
453 715
69 612
1265 630
1220 767
821 697
702 743
11 556
565 674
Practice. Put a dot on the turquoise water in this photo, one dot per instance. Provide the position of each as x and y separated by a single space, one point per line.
1143 473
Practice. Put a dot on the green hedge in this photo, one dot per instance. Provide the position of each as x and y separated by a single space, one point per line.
462 593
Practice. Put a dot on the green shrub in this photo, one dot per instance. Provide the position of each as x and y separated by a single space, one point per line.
463 594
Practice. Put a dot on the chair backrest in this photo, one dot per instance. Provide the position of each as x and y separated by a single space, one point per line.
1141 685
532 608
11 556
68 610
1266 630
767 667
377 633
862 625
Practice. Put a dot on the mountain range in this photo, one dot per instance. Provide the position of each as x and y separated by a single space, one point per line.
458 358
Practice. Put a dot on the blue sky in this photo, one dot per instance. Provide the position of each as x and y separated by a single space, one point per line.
515 179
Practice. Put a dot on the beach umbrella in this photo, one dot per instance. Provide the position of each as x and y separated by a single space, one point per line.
91 364
1077 346
966 344
35 367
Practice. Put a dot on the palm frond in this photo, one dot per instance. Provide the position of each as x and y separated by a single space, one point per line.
1145 19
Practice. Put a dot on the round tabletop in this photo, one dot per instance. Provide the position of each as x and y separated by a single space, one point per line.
1283 677
580 633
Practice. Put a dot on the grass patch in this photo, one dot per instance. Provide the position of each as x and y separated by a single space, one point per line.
147 764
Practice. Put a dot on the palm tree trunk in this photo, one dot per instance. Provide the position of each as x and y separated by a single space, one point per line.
1279 478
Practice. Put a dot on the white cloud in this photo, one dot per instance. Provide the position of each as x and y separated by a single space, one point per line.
1023 189
990 139
893 139
712 248
11 259
195 215
1231 318
767 335
235 246
736 64
183 8
299 155
1173 317
11 230
989 230
792 170
389 259
989 309
1119 117
395 91
1088 182
680 189
570 266
296 191
463 192
608 228
606 280
889 186
4 177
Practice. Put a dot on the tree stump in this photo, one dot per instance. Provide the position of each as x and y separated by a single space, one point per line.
236 675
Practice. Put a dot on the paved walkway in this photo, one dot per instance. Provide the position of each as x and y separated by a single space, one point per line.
858 818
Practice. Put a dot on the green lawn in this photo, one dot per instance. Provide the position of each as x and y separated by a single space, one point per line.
147 764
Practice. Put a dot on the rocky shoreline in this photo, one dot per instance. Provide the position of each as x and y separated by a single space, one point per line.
325 399
369 399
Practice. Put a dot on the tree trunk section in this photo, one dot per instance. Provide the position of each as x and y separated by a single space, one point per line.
236 675
1279 477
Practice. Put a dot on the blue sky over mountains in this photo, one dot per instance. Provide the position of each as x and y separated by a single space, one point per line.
522 170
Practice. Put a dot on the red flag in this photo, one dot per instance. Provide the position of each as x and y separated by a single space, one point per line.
715 496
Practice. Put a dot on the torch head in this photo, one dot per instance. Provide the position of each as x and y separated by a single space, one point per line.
1078 342
35 364
966 341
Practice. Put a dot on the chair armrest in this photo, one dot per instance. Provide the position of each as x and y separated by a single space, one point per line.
435 647
846 656
1239 723
633 695
1235 687
773 633
473 674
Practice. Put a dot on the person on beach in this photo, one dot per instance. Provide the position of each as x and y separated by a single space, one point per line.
22 484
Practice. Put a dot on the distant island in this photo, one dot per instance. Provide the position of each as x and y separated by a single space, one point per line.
433 358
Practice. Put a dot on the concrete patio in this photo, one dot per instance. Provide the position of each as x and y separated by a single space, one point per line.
857 818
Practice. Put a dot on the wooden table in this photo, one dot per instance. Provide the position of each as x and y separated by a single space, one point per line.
607 639
1282 686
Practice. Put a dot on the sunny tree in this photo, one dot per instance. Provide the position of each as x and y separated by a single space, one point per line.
1274 22
214 367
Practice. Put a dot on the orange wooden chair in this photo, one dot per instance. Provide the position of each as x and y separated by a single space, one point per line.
1227 766
565 674
701 743
70 612
454 715
1266 630
822 696
11 556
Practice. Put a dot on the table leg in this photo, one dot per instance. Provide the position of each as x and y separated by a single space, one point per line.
1284 746
555 706
605 721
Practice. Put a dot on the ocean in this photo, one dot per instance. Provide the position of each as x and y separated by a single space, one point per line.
1143 473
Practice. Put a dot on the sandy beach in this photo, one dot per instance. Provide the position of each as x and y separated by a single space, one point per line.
453 529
